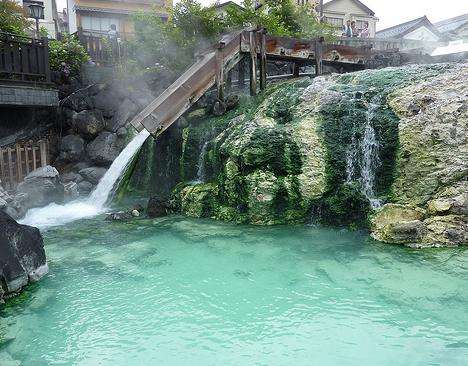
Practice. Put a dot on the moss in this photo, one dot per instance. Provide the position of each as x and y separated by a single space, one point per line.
200 200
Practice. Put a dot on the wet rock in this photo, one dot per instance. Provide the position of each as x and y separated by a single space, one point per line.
41 187
88 123
71 177
157 207
72 148
104 149
119 216
93 174
71 191
78 101
232 101
85 188
125 112
22 256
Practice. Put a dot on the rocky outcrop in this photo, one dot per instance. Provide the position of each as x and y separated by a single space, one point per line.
22 256
105 148
71 149
432 162
334 149
40 187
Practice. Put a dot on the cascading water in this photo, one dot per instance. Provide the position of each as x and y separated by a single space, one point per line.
368 160
201 163
54 214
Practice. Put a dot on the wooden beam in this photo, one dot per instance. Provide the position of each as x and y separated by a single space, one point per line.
220 74
296 69
241 74
253 63
263 60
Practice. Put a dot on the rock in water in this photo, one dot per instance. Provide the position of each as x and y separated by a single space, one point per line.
104 149
41 187
157 207
22 256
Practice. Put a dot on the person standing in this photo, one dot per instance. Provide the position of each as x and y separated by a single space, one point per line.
365 33
347 29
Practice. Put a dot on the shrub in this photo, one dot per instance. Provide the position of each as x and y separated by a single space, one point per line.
67 55
12 18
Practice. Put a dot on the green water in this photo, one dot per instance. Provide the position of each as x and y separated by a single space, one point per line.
186 292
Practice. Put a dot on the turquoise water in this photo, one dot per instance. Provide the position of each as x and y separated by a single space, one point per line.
188 292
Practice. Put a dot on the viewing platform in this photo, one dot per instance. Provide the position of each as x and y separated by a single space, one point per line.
25 76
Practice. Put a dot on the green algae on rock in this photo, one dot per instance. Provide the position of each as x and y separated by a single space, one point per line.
334 149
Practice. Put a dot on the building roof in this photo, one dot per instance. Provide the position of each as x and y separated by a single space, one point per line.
400 30
226 4
452 24
357 2
109 10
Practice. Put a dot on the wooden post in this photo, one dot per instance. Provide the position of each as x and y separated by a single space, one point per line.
2 171
220 73
43 151
263 60
318 57
241 74
34 148
296 69
229 81
10 168
19 168
253 63
45 45
26 156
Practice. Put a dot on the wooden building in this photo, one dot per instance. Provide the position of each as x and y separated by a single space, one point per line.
97 16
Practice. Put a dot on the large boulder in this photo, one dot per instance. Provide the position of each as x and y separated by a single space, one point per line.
78 101
41 187
104 149
93 174
158 207
22 256
72 148
88 123
124 113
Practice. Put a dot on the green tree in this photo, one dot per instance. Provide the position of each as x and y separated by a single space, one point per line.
12 18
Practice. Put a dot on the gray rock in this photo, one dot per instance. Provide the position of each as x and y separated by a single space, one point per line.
104 149
119 216
88 123
93 174
71 190
107 101
71 177
41 187
125 112
22 255
81 165
122 132
71 148
85 188
78 101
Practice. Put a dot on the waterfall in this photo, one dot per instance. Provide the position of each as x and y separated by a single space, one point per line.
365 154
54 214
201 163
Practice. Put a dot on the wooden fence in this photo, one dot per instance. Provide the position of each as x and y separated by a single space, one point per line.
24 59
19 160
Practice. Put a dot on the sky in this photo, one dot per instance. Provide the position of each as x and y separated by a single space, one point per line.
392 12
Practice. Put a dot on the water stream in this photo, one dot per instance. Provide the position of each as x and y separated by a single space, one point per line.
365 155
201 163
55 214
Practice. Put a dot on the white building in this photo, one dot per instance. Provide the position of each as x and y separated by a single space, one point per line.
337 12
50 19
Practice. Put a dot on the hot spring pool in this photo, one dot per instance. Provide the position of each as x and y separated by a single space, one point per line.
188 292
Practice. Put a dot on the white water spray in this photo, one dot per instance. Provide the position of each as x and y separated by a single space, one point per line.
55 215
365 153
201 163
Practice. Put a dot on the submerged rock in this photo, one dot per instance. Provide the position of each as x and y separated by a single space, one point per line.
22 256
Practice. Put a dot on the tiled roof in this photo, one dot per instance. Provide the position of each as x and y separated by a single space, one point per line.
400 30
449 25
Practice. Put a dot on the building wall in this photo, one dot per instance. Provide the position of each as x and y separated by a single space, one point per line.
346 9
125 24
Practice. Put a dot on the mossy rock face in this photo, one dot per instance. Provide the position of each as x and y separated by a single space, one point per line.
297 152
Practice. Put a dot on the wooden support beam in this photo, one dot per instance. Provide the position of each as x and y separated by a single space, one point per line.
318 57
229 81
220 74
296 69
241 74
253 63
263 60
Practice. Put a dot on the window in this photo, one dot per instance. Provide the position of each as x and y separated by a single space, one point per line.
302 2
98 24
336 22
360 24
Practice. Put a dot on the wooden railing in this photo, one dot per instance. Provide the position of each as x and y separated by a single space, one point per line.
17 161
23 59
102 49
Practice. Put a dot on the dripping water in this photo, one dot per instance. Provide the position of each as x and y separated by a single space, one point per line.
201 175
